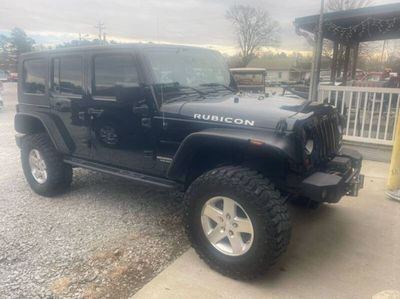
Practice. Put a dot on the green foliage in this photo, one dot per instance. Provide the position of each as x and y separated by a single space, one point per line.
21 41
12 46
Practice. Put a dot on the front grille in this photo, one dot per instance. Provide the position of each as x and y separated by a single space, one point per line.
326 135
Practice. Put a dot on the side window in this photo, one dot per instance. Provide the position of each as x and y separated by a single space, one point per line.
68 75
113 72
34 76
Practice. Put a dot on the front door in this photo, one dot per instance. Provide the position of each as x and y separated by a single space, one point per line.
120 122
69 103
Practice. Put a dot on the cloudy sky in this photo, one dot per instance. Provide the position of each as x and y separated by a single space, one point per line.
195 22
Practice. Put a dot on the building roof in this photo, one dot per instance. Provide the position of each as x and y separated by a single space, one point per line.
271 64
357 25
275 64
247 69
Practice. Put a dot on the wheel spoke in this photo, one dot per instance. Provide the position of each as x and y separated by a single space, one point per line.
236 243
213 213
243 225
229 207
227 226
38 166
216 235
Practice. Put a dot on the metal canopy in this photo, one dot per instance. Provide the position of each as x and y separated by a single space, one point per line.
356 25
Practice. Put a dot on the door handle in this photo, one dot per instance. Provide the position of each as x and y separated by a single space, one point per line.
146 122
95 112
81 115
59 105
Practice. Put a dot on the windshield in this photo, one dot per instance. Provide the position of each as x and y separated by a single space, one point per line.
188 67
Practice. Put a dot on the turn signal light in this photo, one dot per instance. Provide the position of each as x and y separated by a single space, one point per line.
256 142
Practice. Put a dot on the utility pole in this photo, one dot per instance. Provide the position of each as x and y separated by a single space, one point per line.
316 65
100 27
384 55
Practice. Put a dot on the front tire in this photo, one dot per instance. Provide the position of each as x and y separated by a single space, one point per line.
236 221
43 166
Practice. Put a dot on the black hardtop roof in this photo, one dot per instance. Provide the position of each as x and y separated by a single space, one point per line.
100 48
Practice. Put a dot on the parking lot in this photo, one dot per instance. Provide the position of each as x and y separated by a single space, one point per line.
109 237
103 239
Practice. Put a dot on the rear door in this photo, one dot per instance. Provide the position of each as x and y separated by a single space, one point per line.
68 101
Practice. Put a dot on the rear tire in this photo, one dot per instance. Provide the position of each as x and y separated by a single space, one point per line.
52 176
257 202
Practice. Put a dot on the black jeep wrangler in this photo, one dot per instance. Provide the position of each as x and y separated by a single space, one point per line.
170 116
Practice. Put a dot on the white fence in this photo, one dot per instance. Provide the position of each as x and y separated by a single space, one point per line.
370 112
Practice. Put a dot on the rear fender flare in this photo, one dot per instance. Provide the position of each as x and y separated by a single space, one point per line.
26 123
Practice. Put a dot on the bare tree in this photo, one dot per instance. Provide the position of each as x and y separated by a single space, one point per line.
254 29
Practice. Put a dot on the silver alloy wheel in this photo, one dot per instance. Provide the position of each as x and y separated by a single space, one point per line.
38 166
227 226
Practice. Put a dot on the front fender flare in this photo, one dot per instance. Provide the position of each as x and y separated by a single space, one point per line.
237 138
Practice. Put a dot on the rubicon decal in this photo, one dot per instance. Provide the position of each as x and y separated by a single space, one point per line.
223 119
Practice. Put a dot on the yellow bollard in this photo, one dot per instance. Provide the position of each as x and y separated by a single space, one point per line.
394 174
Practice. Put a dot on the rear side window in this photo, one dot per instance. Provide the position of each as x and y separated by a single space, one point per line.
34 76
68 75
112 72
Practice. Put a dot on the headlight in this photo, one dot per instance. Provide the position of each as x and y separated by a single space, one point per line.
309 147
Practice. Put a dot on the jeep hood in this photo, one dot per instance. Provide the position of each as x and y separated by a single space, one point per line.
248 110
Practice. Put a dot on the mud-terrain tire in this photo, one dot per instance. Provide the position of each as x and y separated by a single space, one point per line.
58 176
257 200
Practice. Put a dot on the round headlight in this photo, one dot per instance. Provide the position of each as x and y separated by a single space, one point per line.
309 147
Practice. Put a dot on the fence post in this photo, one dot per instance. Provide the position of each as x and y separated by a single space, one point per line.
394 174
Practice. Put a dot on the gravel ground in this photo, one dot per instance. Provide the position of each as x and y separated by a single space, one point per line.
106 238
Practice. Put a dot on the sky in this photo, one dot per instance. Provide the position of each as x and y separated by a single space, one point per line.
192 22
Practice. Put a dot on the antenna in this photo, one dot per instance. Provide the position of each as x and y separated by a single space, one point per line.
157 29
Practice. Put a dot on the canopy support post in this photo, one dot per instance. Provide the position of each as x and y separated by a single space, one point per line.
316 65
346 64
355 60
334 62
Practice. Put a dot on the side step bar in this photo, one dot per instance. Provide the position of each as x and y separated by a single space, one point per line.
131 175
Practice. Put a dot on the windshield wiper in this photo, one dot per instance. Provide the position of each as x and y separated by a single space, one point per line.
217 85
180 90
202 93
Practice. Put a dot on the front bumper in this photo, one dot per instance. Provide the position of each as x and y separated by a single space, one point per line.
338 178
